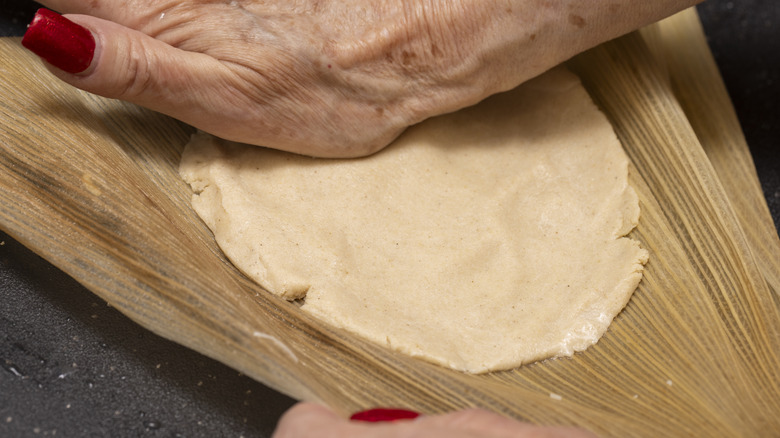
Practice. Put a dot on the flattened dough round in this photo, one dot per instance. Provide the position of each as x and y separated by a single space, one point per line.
479 240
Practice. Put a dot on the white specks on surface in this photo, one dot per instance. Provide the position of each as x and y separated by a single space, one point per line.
15 371
282 346
669 382
65 374
555 396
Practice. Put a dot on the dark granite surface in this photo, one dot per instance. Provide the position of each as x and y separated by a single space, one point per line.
72 366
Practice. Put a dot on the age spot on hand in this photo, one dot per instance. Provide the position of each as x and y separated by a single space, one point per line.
577 20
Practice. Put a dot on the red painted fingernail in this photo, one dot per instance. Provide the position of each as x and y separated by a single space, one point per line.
61 42
384 414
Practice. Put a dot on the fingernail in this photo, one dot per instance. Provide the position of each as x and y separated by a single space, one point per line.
61 42
384 414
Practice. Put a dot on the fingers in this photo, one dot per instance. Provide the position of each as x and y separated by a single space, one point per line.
108 9
136 14
304 419
132 66
114 61
309 420
96 8
72 7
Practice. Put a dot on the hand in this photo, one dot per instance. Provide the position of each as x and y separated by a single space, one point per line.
309 420
326 77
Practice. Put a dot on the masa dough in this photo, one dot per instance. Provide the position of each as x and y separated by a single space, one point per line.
479 240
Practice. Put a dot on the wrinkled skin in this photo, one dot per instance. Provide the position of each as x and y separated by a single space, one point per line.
309 420
326 77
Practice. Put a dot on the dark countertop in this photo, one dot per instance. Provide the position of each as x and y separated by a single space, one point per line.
72 366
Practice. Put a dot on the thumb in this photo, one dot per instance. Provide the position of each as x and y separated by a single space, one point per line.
114 61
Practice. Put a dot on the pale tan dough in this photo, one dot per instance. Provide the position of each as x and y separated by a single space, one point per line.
480 240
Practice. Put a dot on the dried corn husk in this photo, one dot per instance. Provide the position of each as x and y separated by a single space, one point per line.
91 185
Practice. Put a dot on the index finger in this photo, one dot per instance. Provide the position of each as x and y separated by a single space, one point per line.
127 12
304 418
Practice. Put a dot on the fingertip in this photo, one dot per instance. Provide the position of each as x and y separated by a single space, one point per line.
305 417
127 64
59 41
377 415
310 411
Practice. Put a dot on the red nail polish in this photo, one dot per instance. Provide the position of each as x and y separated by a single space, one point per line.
61 42
384 414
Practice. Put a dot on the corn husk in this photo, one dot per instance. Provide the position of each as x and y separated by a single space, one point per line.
91 185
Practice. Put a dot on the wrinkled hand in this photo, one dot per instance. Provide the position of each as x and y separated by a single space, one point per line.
319 77
306 420
331 77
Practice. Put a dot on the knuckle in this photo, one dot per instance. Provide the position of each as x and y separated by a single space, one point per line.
138 78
